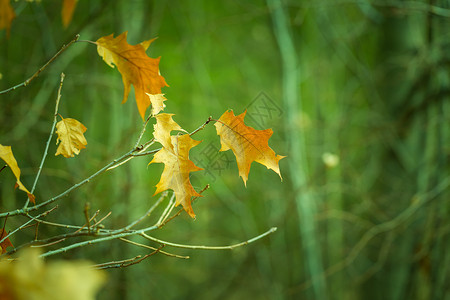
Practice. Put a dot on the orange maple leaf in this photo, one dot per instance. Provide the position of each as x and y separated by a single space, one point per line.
7 155
135 66
6 243
177 167
70 134
67 10
6 15
247 143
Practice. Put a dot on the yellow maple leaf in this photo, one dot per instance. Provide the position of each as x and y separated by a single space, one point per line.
70 134
247 143
135 66
6 15
7 155
67 10
177 168
164 125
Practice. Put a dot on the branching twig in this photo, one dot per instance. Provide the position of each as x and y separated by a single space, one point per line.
127 262
144 127
101 220
148 213
88 221
28 222
109 236
66 192
26 82
168 209
179 211
115 264
49 139
96 232
153 248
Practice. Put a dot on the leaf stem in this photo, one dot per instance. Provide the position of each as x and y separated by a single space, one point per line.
87 41
26 82
201 126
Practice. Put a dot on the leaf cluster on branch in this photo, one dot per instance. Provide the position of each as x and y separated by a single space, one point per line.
141 71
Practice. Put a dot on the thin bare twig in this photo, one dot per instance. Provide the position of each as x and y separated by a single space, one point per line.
201 126
52 130
127 262
144 127
117 262
160 225
26 82
145 257
88 221
101 220
153 248
66 192
87 207
104 237
48 244
168 209
148 213
201 247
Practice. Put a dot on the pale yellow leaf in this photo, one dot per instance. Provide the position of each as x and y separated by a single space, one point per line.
70 134
164 125
177 169
157 103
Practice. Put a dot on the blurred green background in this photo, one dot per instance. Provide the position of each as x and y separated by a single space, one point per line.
357 93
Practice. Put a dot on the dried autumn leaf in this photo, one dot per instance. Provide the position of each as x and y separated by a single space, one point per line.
70 134
6 15
164 125
5 244
135 66
67 10
177 167
157 102
7 155
247 143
